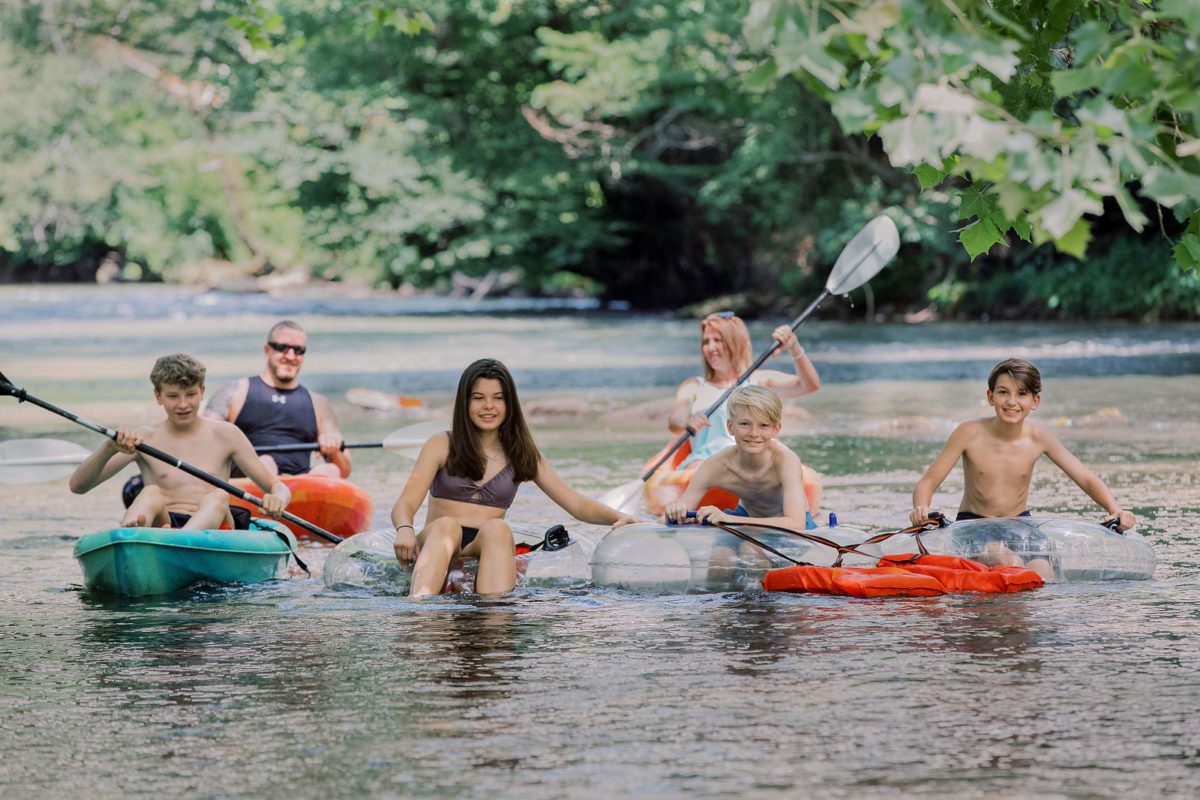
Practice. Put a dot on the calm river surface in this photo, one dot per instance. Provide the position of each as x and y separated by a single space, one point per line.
290 690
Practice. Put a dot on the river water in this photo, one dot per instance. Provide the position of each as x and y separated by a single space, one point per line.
291 690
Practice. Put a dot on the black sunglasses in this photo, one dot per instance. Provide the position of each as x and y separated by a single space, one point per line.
280 347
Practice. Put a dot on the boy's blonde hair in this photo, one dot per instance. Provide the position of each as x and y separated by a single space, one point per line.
177 370
758 402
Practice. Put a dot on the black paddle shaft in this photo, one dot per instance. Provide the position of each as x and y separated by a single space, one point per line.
7 387
741 379
310 446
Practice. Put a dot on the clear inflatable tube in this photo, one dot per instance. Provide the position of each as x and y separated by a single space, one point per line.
668 559
1060 549
368 561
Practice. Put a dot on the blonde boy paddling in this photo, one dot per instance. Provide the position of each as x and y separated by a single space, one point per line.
998 454
767 477
171 497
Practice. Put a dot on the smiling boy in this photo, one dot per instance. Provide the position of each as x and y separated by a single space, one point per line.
998 454
171 497
767 477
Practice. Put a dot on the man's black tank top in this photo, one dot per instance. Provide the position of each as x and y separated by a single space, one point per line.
279 416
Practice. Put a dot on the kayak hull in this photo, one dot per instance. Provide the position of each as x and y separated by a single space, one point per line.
142 562
334 504
664 559
1061 550
368 561
670 481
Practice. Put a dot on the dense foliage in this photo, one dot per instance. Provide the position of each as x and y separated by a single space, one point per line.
1045 107
641 149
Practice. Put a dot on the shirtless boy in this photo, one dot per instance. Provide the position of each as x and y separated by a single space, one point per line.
998 454
766 476
171 497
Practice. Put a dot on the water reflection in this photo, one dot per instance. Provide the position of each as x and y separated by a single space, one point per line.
475 651
988 627
755 633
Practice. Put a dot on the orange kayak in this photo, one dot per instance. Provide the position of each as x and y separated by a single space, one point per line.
334 504
669 482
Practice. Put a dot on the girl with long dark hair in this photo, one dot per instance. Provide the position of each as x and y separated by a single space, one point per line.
471 475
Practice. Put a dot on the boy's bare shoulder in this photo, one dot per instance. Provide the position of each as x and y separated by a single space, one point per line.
973 426
971 435
783 453
1040 434
227 431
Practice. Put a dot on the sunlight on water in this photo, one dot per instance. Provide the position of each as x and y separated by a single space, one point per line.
289 689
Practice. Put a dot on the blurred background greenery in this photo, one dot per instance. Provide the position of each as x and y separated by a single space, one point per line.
655 152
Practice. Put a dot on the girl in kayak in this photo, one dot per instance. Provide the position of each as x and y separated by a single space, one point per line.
471 475
725 346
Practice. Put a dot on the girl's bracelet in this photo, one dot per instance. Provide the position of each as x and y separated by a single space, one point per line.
405 525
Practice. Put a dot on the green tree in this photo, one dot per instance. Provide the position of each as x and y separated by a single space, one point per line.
1043 109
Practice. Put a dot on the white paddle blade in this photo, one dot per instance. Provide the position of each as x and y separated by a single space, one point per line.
622 498
383 402
867 253
25 461
409 440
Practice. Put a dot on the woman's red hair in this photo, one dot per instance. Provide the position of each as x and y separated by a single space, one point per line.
736 337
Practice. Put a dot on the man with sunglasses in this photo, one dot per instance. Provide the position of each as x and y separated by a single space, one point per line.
273 408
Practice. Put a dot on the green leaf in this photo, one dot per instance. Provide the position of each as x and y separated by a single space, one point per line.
1170 186
1187 251
1076 240
1023 228
1186 10
761 77
997 57
911 140
823 66
1090 39
977 202
1080 79
979 237
929 176
1060 217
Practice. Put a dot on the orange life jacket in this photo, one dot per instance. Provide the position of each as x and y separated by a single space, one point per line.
905 575
852 581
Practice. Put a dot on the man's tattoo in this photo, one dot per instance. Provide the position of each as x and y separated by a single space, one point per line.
219 403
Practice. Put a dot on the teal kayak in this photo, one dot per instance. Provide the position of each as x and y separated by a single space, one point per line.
137 562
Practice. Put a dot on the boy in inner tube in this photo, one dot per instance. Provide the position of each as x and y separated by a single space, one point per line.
998 454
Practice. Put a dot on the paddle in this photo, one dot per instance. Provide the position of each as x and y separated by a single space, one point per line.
860 260
7 387
36 460
405 441
25 461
